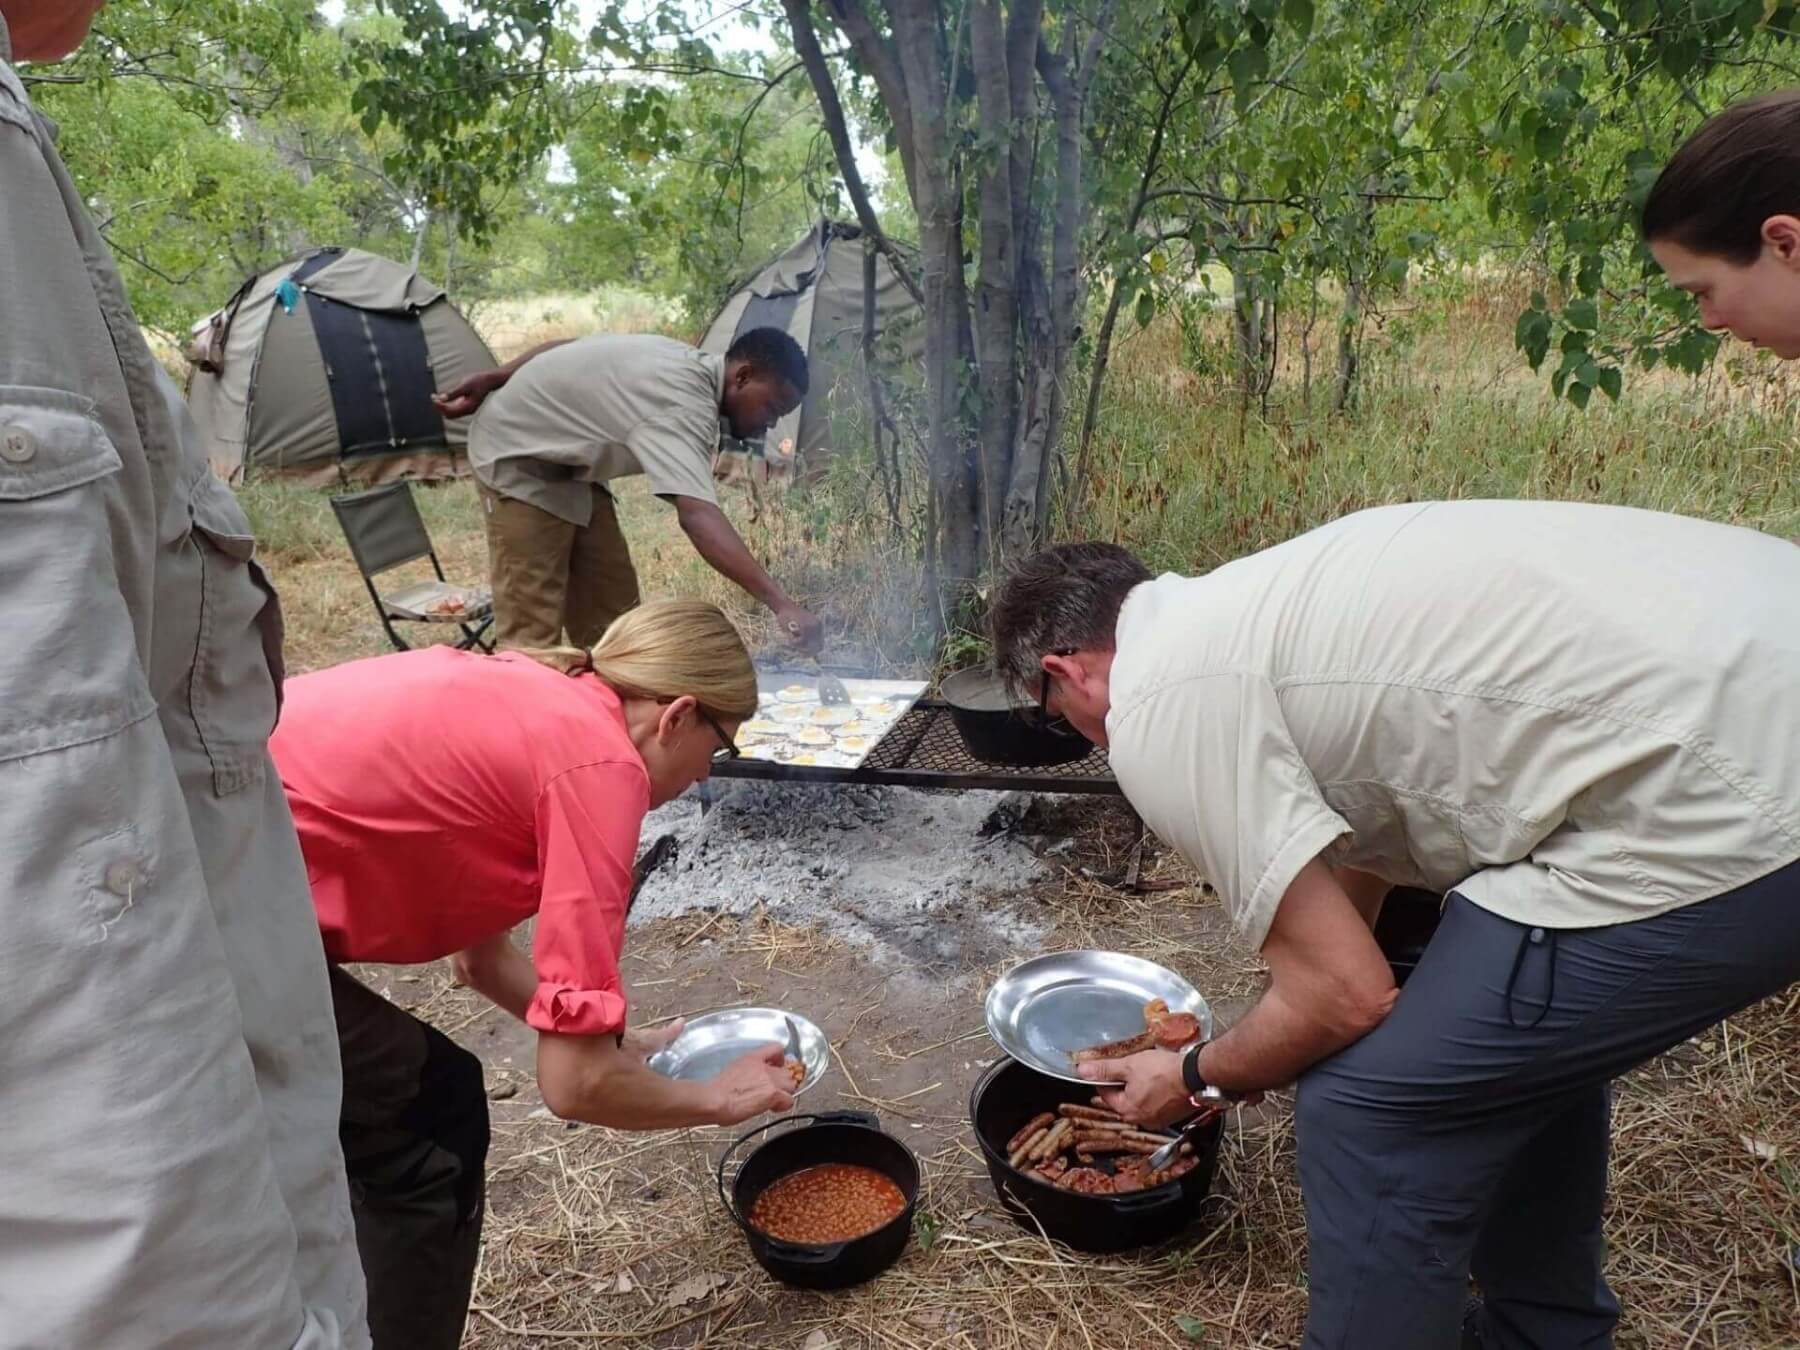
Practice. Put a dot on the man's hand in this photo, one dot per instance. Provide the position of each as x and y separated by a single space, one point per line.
1149 1089
756 1083
468 393
643 1043
803 628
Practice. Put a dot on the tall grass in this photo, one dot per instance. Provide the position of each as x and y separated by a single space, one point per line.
1180 469
1183 471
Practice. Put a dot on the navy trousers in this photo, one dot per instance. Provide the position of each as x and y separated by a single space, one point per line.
1468 1132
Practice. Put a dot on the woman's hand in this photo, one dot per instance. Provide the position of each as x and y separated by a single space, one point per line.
756 1083
643 1043
1145 1088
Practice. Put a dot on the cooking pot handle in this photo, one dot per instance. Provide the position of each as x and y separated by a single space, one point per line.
1143 1202
802 1256
818 1118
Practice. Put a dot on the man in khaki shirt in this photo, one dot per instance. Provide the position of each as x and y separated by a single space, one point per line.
170 1177
560 423
1581 721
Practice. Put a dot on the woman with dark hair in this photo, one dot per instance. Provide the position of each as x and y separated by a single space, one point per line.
1724 221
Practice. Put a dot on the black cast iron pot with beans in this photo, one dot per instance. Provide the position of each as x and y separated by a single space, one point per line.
813 1178
1005 1098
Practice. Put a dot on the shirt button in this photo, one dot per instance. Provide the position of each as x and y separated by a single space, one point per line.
121 877
1537 935
17 445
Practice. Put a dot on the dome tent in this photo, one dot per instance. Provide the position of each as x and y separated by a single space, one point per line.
322 369
814 292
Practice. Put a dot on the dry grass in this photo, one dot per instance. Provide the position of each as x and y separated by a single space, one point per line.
1704 1214
597 1237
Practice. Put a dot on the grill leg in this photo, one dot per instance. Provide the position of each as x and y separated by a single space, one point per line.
1133 880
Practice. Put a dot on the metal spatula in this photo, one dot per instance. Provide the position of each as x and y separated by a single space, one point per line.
831 689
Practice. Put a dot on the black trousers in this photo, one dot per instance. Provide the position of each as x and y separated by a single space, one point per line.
1468 1132
414 1129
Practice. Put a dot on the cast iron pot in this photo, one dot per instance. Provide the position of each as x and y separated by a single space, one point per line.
1008 1095
998 730
834 1137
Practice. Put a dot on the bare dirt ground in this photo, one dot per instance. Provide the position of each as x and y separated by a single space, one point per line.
599 1237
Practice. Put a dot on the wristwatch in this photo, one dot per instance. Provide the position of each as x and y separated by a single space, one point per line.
1200 1092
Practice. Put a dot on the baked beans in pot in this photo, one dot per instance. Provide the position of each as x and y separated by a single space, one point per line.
826 1203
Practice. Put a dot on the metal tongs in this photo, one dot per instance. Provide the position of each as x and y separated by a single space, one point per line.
1190 1132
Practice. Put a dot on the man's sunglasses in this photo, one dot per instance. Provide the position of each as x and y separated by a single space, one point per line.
1056 726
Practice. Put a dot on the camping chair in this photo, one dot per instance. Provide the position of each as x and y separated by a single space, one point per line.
384 530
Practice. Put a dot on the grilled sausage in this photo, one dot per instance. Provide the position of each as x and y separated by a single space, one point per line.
1038 1122
1024 1150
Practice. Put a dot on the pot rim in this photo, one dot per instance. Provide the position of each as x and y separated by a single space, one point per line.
815 1253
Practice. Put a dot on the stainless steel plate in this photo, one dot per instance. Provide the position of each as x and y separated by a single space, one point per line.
1050 1006
712 1040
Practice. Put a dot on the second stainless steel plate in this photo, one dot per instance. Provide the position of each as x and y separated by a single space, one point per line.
1050 1006
712 1040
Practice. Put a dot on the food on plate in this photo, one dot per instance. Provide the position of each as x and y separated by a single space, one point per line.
832 716
796 1071
813 736
853 745
797 693
832 1202
879 708
788 712
761 726
860 727
449 605
1162 1030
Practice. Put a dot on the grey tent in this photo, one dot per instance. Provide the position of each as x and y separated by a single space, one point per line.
322 370
815 292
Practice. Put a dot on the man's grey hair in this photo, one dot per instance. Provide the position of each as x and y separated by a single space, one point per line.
1062 599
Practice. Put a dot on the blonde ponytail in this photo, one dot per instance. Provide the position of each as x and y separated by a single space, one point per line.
666 648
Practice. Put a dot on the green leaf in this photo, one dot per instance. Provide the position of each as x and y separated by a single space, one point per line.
1583 314
1579 394
1299 14
1191 1327
1532 336
1517 35
927 1229
1146 307
1612 382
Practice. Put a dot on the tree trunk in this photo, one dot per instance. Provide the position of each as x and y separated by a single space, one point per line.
997 273
937 198
1349 360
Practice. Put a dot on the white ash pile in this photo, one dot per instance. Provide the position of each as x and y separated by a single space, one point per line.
890 867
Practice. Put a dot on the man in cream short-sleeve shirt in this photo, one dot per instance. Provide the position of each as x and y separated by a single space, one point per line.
557 425
1583 722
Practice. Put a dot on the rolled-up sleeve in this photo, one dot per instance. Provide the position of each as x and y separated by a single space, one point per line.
587 828
1210 765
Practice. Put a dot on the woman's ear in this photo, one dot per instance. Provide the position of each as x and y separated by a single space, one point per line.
1782 234
676 717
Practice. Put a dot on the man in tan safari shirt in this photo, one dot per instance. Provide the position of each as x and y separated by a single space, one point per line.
560 423
170 1177
1583 722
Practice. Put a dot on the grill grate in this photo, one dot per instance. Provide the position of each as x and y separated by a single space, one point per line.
923 749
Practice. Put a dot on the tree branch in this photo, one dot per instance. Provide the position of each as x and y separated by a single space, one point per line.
831 108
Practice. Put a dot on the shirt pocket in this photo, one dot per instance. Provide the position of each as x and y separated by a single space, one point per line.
234 686
70 669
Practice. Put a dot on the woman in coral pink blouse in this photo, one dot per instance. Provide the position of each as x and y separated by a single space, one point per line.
441 797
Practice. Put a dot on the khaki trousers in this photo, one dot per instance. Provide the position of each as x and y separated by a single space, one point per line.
551 577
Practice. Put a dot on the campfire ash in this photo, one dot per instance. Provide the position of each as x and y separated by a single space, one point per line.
916 875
